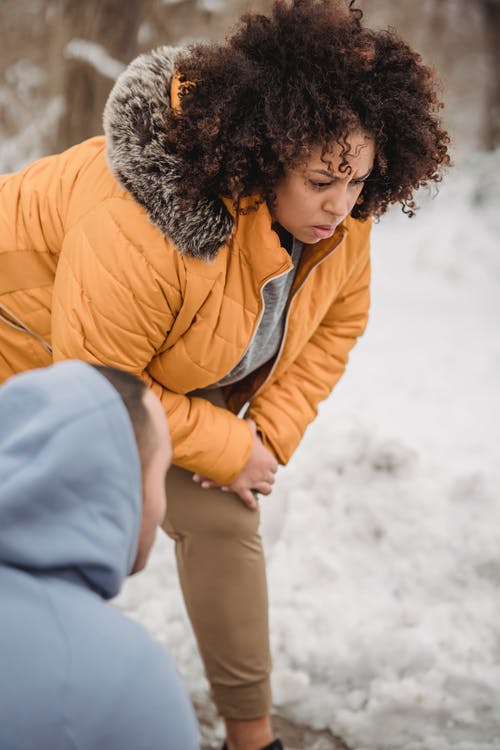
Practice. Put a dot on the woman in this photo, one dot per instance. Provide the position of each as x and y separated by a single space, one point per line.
216 242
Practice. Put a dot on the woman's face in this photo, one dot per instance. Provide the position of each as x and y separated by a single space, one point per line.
312 199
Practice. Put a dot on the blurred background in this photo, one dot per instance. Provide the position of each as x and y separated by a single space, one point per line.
58 59
382 535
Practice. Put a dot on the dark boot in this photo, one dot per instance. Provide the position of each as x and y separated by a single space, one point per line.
274 745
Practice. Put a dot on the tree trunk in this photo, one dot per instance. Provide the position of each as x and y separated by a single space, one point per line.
492 18
114 26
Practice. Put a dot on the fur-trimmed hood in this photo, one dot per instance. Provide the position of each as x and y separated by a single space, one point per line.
135 129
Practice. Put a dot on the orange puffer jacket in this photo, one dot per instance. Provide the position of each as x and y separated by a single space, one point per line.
98 262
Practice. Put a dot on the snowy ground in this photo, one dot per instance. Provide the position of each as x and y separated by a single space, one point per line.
383 535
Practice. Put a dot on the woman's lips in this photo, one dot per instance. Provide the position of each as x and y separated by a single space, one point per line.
323 231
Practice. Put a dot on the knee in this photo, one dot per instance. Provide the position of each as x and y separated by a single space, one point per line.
192 510
224 516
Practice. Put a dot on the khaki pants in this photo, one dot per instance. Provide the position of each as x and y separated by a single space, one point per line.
223 579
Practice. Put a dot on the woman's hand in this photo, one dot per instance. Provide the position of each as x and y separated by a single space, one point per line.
257 475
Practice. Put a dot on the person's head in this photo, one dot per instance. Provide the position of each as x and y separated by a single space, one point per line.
155 452
305 90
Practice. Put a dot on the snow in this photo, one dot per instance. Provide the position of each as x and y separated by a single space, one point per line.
22 135
212 6
96 56
145 34
26 145
383 534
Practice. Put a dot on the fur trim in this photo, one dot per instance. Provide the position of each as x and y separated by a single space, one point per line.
135 145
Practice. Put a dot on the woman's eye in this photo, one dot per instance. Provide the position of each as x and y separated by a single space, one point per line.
320 185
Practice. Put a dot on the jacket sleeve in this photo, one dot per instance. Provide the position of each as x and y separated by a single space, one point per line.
110 306
285 407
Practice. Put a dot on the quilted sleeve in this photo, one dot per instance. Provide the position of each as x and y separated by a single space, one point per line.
284 407
112 306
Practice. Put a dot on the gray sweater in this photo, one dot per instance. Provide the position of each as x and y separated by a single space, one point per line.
266 340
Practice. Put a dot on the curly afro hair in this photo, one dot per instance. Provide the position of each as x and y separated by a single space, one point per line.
309 74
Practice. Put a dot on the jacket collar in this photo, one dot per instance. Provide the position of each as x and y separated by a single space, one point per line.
135 129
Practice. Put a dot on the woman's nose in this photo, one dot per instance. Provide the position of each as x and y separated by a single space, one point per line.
336 201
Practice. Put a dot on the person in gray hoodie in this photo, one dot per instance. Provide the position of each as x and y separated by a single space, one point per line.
82 475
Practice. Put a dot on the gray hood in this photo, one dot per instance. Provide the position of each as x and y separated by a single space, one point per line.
70 477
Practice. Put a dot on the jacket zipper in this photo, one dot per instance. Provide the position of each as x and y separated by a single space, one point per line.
14 322
256 328
287 317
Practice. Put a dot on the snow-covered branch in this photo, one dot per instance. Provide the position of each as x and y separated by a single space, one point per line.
94 55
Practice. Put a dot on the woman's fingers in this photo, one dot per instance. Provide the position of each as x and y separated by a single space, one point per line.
249 499
246 495
263 488
205 482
